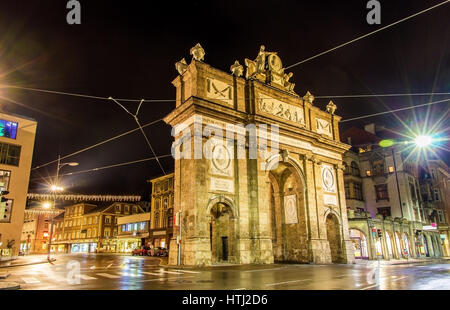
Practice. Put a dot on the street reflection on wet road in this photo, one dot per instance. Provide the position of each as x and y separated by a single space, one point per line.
118 272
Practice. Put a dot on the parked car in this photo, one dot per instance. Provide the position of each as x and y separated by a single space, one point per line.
162 252
141 252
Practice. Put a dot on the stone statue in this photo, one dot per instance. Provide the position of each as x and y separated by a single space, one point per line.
197 52
261 59
237 69
331 107
181 66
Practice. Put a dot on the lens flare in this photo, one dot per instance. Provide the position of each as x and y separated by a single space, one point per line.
423 140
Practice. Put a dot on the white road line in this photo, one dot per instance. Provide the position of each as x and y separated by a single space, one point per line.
108 266
130 274
187 271
367 287
165 279
31 280
239 289
286 282
170 272
85 277
152 273
107 275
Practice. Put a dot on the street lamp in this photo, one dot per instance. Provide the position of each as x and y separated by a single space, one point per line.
54 189
423 140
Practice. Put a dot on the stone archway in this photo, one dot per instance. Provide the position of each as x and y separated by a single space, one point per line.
222 234
334 237
288 219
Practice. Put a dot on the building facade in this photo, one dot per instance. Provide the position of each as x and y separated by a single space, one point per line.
385 209
17 135
133 232
435 190
161 227
253 200
36 230
88 228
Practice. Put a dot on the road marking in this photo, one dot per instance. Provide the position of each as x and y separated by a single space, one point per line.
152 273
108 266
239 289
367 287
164 279
31 280
129 274
85 277
170 272
107 275
286 282
187 271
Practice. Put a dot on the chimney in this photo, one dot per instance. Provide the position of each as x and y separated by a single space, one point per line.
370 128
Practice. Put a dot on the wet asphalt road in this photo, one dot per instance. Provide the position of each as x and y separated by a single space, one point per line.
115 272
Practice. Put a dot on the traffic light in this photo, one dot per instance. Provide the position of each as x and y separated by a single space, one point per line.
3 204
379 233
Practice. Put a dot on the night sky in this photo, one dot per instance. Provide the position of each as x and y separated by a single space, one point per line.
127 49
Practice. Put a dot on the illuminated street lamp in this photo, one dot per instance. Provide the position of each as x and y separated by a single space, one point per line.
423 140
54 189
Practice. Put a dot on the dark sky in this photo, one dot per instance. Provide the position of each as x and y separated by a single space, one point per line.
127 49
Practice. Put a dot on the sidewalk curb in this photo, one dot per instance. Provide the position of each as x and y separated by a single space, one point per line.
4 275
9 286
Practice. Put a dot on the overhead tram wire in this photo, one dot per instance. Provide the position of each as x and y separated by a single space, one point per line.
106 167
142 130
368 34
393 111
98 144
173 100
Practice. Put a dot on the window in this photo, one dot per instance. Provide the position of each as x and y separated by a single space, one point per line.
4 179
156 204
128 227
165 203
156 220
391 169
368 173
84 221
127 209
166 185
108 220
378 167
385 211
354 168
9 154
8 129
90 220
436 194
96 220
141 225
170 218
94 232
441 216
381 192
107 232
134 209
357 190
89 233
135 227
347 190
413 192
118 209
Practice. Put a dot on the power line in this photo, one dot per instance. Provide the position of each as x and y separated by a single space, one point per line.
142 130
368 34
382 95
393 111
82 95
98 144
106 167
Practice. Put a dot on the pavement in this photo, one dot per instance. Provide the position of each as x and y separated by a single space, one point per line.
23 261
119 272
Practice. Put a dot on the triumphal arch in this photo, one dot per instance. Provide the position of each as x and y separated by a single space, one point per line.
258 169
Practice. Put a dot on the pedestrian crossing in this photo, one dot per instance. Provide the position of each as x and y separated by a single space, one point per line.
60 277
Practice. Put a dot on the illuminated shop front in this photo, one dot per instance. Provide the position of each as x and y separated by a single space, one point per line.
127 245
389 245
359 242
84 247
406 251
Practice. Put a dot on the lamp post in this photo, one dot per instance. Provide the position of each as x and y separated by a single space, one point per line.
54 189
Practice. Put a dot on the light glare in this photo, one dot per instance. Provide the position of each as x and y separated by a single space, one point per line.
423 141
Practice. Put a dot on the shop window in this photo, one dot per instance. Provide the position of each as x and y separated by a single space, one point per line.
5 176
135 209
381 192
368 173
